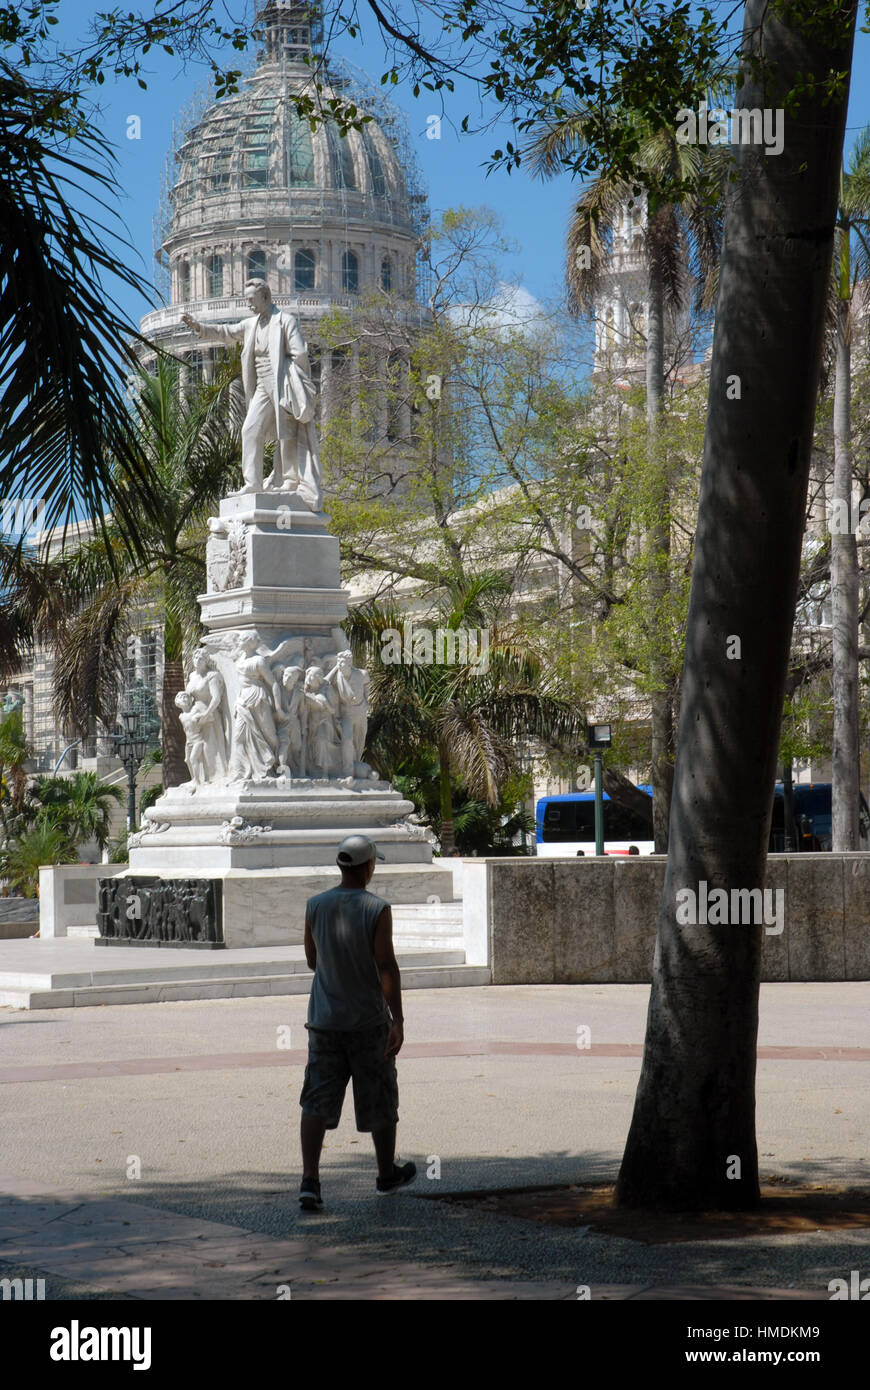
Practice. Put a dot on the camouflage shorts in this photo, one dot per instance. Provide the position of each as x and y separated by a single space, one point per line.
334 1058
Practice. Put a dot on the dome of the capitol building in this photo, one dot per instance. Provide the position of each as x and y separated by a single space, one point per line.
254 191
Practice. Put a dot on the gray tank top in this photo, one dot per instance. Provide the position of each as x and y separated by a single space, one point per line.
346 993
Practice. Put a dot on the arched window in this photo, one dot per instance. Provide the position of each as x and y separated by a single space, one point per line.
215 271
350 272
636 230
256 264
184 281
386 275
303 270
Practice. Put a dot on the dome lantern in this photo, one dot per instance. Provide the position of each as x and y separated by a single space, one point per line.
291 31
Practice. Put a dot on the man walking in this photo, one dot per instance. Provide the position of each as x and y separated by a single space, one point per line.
355 1025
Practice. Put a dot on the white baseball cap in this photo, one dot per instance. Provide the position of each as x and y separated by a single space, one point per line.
355 850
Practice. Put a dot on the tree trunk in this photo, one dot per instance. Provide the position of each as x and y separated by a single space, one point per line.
692 1138
446 795
662 768
659 542
174 767
845 754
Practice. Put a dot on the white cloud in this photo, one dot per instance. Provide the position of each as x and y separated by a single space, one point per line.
511 309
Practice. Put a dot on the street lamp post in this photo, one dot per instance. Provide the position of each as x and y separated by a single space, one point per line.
526 761
598 737
130 746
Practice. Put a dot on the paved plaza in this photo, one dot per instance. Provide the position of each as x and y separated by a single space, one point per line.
201 1098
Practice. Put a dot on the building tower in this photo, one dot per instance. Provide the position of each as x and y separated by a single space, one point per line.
620 312
622 303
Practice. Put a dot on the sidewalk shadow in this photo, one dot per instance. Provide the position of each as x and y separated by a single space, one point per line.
414 1228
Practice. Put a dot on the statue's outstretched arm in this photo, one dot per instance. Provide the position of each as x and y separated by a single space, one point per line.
215 332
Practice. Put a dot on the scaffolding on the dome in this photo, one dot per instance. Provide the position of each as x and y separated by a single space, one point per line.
355 84
374 102
184 126
397 198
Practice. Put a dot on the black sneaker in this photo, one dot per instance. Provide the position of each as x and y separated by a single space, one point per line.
309 1195
401 1177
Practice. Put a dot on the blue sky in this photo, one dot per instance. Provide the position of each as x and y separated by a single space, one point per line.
534 214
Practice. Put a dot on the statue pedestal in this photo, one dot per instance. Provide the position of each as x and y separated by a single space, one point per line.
273 566
275 824
273 573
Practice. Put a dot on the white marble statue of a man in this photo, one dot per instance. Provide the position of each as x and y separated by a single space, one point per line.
280 394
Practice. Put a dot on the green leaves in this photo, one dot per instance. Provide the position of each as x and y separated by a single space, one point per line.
467 715
22 856
79 805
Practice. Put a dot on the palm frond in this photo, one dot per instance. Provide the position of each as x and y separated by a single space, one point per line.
552 143
668 255
64 343
479 756
91 657
588 241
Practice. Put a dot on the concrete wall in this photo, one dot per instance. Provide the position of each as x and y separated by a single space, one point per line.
261 907
19 917
573 921
68 895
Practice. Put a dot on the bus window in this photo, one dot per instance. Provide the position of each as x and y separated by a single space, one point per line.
560 821
622 824
566 824
812 827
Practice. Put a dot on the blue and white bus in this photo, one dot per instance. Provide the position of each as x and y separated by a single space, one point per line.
565 826
811 827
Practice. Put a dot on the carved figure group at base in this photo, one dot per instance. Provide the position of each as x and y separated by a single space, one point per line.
255 734
295 721
204 720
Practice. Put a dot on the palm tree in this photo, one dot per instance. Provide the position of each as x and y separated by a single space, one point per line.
853 216
14 751
81 804
187 448
478 826
64 345
681 242
469 717
22 855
